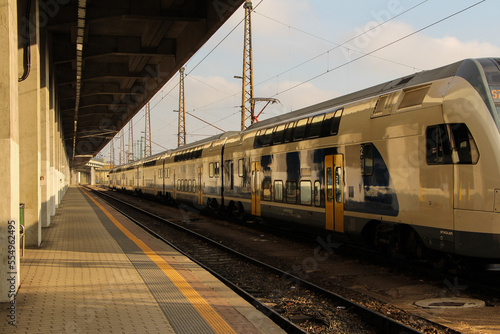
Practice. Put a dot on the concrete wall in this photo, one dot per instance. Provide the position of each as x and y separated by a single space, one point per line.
34 168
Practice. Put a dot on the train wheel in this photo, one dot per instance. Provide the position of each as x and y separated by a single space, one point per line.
439 262
416 247
212 205
236 211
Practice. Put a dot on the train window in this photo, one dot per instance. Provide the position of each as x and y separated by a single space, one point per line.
464 146
305 192
279 131
366 157
413 97
317 193
168 173
329 184
291 191
438 145
278 191
338 184
334 126
193 189
314 127
216 169
287 136
380 106
211 169
266 189
179 185
240 168
300 129
258 139
267 137
190 184
325 127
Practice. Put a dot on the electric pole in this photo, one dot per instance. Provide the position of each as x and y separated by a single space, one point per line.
247 101
130 141
147 132
112 153
181 138
122 147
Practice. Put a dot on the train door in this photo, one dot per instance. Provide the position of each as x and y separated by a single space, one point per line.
200 188
334 192
255 188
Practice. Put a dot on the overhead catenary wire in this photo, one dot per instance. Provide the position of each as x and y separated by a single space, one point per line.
301 64
343 43
380 48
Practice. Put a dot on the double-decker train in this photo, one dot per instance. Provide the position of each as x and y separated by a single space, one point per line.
412 164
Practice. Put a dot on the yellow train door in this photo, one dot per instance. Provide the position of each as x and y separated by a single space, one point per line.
334 192
255 191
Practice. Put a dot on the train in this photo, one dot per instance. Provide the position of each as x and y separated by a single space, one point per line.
411 165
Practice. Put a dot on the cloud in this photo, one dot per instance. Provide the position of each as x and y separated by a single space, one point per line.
418 50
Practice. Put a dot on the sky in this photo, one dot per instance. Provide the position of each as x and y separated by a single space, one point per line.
309 51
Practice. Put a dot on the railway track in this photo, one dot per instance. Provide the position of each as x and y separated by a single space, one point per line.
296 304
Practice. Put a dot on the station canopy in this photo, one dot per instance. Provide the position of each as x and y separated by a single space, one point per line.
110 57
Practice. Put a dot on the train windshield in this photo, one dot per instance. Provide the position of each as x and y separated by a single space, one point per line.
491 69
484 76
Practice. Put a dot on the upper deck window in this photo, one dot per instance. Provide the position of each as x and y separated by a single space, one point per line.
314 127
288 132
300 129
267 138
322 125
278 134
334 127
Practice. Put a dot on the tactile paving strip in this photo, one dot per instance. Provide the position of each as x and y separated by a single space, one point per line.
182 315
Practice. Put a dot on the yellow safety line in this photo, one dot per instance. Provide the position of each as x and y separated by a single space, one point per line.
206 311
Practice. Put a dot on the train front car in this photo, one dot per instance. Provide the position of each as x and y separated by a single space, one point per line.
424 175
471 148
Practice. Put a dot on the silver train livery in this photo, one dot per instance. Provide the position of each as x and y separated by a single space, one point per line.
412 164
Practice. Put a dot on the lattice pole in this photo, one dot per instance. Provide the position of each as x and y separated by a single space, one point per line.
181 139
247 102
112 152
147 132
130 141
122 147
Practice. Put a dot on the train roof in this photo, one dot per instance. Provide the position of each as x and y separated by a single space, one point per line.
399 83
205 141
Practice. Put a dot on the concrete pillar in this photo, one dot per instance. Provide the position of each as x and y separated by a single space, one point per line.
29 139
44 131
92 176
52 174
9 145
57 161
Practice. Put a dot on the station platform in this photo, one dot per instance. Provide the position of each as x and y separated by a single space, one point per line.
97 272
